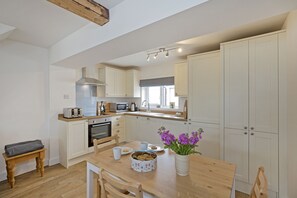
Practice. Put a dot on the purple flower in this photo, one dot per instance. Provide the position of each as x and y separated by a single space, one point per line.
167 137
183 139
193 140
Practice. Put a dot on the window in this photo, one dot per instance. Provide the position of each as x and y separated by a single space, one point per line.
160 96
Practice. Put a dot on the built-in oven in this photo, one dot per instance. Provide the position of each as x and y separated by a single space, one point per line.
99 128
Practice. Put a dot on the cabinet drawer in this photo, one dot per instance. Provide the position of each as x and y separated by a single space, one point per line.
121 133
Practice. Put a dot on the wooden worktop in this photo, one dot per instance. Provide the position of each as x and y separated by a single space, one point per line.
136 113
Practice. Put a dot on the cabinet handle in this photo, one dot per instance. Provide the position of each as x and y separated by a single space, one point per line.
118 124
190 123
252 133
185 123
148 118
118 131
252 128
245 133
245 127
190 119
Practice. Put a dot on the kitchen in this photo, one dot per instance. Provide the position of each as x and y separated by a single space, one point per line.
46 88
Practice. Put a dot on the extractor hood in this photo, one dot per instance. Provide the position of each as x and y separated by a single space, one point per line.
88 81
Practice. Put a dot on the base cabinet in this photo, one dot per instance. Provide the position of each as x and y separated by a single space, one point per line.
118 127
263 151
236 151
73 141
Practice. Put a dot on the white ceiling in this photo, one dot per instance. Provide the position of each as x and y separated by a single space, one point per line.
41 23
201 44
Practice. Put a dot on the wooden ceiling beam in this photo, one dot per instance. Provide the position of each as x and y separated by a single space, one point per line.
88 9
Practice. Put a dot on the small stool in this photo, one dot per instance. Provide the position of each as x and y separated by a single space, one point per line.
12 161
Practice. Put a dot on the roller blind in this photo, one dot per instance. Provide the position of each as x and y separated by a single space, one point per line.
157 82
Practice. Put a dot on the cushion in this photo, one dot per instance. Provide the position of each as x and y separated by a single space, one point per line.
23 147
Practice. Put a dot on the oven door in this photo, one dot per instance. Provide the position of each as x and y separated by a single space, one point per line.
98 131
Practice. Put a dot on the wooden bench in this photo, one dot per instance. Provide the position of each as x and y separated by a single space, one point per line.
12 161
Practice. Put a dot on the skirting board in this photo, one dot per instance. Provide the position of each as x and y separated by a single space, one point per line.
246 188
54 161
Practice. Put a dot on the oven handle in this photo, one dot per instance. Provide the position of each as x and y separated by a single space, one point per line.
96 125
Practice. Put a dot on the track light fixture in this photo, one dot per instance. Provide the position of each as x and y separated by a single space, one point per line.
161 50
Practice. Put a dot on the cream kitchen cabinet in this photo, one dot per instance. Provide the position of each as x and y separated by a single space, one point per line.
236 150
181 79
204 88
251 106
73 140
115 80
131 128
209 145
132 83
118 127
176 127
264 152
143 129
148 129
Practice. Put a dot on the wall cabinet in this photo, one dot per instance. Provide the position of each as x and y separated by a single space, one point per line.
119 83
73 140
118 127
204 88
181 79
251 107
132 83
115 80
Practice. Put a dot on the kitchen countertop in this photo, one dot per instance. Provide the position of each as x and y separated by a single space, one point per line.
135 113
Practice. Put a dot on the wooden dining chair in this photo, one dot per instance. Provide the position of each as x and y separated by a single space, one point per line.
259 189
97 142
111 186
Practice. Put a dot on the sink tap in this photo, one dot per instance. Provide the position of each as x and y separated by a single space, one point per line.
148 108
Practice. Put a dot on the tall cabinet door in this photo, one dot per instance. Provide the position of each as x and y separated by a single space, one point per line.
236 84
264 152
204 88
263 74
236 151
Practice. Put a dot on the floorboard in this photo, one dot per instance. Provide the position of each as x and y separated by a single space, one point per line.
57 182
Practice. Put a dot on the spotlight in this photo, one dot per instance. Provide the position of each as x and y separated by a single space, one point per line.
148 58
179 50
167 54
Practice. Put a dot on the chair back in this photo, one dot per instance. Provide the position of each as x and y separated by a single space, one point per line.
112 186
259 189
97 142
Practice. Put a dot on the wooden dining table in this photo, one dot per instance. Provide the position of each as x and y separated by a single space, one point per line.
207 177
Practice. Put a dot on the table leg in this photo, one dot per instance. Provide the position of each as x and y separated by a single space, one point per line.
91 169
233 189
37 164
41 163
10 167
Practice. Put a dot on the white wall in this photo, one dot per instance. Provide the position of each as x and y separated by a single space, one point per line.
62 94
291 26
24 97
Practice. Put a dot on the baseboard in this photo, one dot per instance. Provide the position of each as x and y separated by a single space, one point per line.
54 161
246 188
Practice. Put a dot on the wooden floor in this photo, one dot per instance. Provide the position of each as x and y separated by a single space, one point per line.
57 182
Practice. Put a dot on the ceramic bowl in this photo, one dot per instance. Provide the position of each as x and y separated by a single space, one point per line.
143 161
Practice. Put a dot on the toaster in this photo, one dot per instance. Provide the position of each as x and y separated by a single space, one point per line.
72 112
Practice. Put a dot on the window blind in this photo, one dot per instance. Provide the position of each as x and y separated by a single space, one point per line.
157 82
